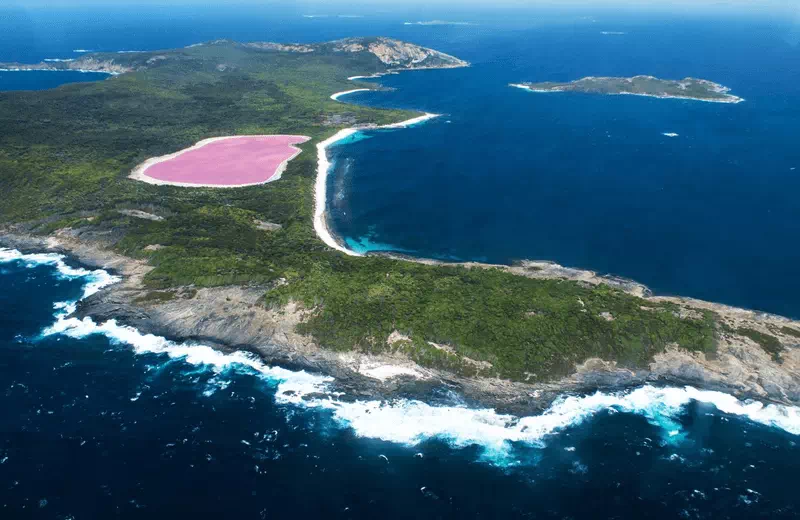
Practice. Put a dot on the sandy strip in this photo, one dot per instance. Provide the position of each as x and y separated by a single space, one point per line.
323 167
336 96
139 174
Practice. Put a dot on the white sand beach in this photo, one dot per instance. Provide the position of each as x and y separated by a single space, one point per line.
324 165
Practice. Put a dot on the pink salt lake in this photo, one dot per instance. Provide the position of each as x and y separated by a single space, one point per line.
226 161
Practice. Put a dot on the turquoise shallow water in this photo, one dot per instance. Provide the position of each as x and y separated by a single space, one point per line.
591 181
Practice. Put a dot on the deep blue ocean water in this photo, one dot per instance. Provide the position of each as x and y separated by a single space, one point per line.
591 181
42 80
97 426
98 421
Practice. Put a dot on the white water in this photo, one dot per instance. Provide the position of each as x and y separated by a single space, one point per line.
410 422
95 280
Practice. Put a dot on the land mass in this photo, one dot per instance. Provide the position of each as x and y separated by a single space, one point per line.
687 88
244 268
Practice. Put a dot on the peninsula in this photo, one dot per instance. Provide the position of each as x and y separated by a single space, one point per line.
687 88
246 267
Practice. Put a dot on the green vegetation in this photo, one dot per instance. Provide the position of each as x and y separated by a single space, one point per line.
789 331
65 154
692 88
768 342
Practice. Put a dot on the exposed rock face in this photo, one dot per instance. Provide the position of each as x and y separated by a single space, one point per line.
281 47
398 54
234 317
90 63
135 213
156 59
267 226
393 54
84 64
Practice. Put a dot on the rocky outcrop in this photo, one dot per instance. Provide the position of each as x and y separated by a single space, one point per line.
397 54
281 47
394 54
135 213
235 318
84 64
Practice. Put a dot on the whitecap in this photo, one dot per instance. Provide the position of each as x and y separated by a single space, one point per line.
96 279
411 422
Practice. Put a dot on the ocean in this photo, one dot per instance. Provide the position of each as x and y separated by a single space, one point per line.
102 421
592 181
99 420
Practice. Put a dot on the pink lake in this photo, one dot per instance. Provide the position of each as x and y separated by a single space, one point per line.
224 161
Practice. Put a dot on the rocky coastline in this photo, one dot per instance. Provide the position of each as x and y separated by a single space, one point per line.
234 318
84 64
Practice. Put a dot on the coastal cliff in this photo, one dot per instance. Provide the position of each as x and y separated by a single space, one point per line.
236 318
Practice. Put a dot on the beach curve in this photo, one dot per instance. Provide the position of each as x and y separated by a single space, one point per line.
323 167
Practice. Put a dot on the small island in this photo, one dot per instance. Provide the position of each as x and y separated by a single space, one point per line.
687 88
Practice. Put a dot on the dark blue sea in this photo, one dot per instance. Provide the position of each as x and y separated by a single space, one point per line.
592 181
100 421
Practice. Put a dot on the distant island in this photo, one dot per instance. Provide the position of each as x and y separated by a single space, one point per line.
687 88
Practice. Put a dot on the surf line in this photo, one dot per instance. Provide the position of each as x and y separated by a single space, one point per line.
406 421
324 166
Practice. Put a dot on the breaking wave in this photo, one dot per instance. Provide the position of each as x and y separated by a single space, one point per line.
95 280
405 421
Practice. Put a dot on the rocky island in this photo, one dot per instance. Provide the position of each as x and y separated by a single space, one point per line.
687 88
244 268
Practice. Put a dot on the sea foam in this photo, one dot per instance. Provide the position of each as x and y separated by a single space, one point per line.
95 280
407 421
